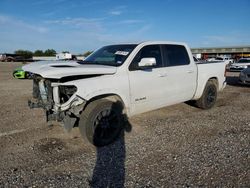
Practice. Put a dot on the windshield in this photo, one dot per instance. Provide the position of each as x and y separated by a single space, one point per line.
113 55
244 61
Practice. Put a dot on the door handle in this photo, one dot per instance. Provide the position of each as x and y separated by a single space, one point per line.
190 71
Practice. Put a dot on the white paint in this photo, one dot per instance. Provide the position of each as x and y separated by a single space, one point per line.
59 69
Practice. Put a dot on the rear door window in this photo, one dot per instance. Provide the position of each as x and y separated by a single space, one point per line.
175 55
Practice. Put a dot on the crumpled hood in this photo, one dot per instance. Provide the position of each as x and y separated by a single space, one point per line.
60 69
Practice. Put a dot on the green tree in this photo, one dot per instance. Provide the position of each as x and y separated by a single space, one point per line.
24 53
38 53
49 52
87 53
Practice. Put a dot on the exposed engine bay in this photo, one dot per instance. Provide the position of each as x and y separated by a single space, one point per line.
59 101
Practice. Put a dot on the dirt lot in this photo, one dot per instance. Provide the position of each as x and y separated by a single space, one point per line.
175 146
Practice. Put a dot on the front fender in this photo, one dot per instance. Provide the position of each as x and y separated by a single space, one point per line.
104 85
109 92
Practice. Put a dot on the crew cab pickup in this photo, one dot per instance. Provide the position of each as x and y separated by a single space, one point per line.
118 81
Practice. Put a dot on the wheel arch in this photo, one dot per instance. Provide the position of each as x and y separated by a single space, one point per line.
214 80
112 97
209 94
201 87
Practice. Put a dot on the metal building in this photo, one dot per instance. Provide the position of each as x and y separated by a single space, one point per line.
235 52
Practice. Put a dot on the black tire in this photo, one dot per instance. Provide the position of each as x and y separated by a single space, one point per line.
101 122
208 97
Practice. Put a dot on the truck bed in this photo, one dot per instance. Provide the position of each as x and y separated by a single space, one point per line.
212 69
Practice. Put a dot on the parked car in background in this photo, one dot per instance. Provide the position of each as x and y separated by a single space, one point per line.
227 60
210 59
240 65
13 58
7 57
245 76
19 73
65 56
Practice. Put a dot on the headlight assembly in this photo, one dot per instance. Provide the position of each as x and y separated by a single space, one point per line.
65 92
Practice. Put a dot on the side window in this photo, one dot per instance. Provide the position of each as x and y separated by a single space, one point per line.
147 52
176 55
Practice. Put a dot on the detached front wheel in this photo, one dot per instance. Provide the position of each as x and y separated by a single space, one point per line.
209 96
101 122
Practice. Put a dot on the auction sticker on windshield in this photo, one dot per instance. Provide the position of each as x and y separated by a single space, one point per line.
121 53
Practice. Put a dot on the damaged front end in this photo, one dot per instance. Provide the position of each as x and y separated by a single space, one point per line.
59 101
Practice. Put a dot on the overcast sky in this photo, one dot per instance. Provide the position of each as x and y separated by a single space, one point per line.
80 25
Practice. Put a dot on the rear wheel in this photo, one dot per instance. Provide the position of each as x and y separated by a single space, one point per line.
101 122
209 96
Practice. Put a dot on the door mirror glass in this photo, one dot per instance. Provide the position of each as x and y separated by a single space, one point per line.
147 62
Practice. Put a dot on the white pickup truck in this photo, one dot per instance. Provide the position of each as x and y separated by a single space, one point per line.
119 81
227 60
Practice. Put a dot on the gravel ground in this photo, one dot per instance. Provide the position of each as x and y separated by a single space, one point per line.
176 146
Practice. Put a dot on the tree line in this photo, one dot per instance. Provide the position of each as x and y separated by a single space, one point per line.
49 52
29 54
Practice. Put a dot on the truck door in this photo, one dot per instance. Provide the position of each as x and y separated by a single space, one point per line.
181 74
171 81
146 84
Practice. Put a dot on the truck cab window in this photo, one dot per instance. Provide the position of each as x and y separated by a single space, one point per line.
150 51
175 55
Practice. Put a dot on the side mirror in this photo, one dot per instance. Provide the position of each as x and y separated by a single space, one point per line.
147 62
